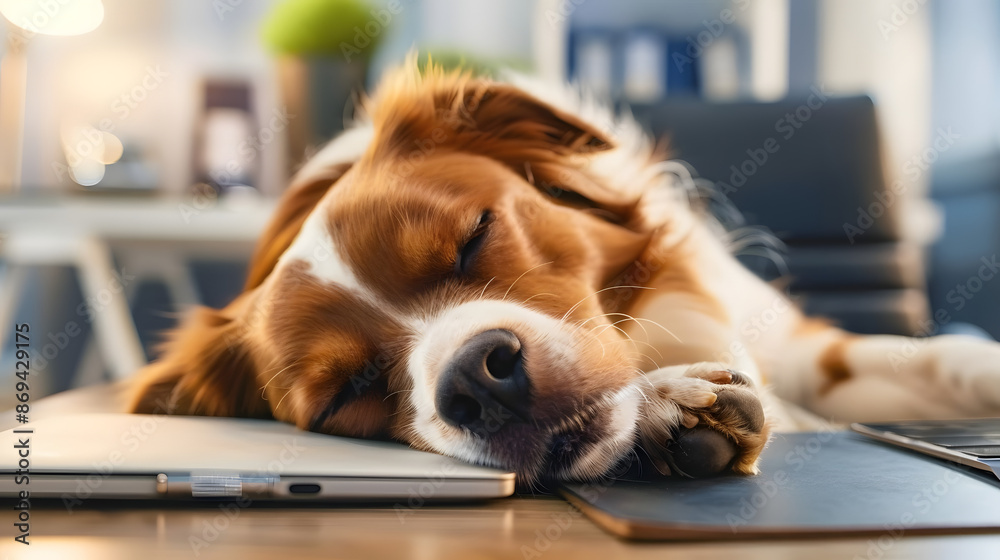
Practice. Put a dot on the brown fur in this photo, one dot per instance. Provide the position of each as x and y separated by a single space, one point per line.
833 364
446 147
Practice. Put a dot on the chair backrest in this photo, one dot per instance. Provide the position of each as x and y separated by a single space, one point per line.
811 170
802 171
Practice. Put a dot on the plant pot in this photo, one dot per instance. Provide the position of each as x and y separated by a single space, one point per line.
320 94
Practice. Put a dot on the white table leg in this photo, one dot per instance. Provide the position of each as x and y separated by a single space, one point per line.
180 282
104 293
12 279
90 369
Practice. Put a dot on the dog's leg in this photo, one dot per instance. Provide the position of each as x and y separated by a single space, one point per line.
701 419
848 377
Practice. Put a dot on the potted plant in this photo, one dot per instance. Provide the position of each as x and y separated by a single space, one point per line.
323 49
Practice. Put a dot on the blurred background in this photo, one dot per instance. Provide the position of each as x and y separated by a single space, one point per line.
142 144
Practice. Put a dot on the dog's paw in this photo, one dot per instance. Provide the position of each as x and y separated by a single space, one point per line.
701 420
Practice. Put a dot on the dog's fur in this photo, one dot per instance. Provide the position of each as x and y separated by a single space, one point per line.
630 312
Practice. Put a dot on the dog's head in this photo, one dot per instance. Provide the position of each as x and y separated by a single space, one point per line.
456 286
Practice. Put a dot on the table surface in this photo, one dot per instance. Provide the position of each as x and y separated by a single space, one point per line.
520 527
154 218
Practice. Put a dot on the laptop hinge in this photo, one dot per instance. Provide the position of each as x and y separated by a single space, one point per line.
215 485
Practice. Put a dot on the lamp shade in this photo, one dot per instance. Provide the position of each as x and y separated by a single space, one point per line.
56 17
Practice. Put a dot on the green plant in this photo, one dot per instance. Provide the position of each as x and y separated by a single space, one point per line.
320 27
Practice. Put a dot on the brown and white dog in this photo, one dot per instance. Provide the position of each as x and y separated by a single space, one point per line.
483 274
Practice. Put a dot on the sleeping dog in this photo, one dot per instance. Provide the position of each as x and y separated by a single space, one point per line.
509 276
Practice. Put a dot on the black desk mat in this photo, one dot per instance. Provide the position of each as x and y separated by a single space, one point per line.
810 485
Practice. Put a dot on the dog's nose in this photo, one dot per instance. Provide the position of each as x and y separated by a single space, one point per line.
485 386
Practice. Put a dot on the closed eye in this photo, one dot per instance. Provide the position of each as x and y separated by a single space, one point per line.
353 389
469 252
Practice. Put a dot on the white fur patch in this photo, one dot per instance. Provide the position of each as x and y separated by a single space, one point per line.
347 147
315 246
314 243
621 427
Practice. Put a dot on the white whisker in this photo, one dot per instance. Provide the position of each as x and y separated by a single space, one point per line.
282 370
572 309
482 294
522 276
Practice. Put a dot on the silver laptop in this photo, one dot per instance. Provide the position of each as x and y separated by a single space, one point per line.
126 456
970 442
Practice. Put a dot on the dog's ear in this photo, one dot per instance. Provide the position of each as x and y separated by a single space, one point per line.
417 113
205 369
504 114
296 204
545 144
421 110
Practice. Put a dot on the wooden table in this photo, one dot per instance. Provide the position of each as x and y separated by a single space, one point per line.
519 527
